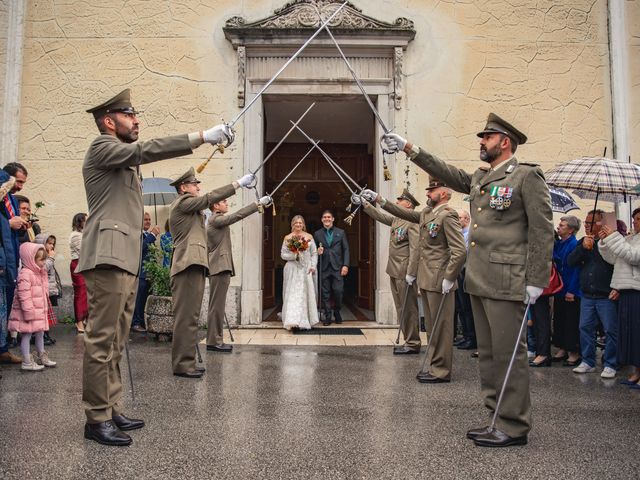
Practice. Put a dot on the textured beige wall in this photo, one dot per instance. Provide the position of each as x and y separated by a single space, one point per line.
633 31
543 65
4 10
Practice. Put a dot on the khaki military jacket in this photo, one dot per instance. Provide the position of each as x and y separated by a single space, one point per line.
511 231
219 239
113 232
441 245
186 224
403 244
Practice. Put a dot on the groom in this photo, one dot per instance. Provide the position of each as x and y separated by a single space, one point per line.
334 264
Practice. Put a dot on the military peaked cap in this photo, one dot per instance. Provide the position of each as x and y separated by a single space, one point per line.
435 183
120 103
495 124
187 177
405 195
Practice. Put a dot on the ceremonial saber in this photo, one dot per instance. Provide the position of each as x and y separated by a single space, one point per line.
404 305
315 144
328 158
320 283
283 139
506 376
355 77
433 331
232 123
228 327
198 353
126 351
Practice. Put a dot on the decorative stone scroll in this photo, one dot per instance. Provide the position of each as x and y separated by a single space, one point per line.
242 63
298 17
301 14
398 57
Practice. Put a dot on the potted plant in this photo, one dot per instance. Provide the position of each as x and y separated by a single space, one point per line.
158 311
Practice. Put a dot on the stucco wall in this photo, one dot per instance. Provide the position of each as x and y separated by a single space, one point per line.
540 64
633 32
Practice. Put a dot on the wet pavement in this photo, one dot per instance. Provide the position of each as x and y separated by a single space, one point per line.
309 412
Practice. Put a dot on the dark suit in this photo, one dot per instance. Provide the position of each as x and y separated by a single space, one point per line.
335 256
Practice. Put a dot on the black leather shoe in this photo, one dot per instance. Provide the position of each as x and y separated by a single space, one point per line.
575 363
404 350
125 423
337 316
468 345
194 374
326 323
473 433
544 363
106 433
224 348
428 378
496 438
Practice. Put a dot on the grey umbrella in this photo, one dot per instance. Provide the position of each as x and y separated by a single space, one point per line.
157 191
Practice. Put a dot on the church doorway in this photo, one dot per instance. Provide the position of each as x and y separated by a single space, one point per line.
346 129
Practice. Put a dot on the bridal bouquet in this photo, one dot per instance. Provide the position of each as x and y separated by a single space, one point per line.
297 244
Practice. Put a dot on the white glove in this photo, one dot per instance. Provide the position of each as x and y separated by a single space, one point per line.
265 201
447 285
395 142
532 293
369 195
410 279
355 199
222 133
247 180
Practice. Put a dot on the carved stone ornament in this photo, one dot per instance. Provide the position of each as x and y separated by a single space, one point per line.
303 14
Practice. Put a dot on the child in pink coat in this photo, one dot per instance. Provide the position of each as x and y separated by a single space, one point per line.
30 305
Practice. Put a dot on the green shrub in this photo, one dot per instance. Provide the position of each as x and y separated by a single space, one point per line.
157 275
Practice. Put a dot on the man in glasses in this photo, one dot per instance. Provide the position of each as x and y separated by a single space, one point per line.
111 249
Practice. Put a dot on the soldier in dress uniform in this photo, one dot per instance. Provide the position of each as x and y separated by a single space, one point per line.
402 269
509 262
111 249
190 265
221 267
442 253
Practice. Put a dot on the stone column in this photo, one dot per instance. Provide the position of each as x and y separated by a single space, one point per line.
12 82
252 234
384 308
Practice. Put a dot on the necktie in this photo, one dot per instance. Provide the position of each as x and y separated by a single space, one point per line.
7 204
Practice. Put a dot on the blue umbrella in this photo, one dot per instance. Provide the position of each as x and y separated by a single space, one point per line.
561 201
157 191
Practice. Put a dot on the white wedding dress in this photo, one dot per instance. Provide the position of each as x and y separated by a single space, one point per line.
299 307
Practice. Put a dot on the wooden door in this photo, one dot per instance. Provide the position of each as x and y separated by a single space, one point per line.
312 188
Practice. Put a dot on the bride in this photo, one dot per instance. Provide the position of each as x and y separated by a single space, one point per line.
299 308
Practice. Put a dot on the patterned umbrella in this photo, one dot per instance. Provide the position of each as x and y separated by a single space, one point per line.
561 201
596 178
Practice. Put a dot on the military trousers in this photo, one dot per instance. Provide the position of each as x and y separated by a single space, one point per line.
497 326
410 323
440 336
218 287
111 298
187 289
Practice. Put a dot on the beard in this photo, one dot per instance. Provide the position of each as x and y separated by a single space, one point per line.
432 202
489 156
126 135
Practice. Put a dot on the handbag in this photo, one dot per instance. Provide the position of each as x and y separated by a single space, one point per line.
555 282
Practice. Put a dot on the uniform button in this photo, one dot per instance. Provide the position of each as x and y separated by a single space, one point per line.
475 225
481 192
479 209
473 244
115 226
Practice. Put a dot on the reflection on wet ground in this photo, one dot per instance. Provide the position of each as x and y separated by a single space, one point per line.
309 412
